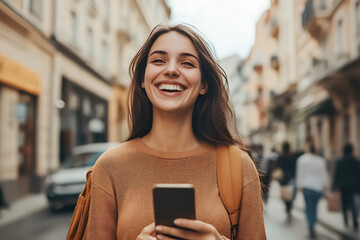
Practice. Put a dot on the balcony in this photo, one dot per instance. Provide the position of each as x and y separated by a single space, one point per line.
274 62
319 70
258 67
315 17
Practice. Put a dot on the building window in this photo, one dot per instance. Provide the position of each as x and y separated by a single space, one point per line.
35 8
74 27
92 8
26 115
107 10
100 110
341 36
322 4
90 43
357 17
105 56
73 101
86 107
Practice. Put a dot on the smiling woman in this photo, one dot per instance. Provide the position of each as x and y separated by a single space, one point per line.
179 111
172 76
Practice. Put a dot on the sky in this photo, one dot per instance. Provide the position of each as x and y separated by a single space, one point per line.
229 25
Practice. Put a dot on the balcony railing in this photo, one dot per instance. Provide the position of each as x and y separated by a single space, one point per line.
315 15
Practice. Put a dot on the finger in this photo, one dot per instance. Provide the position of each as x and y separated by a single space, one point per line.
163 237
195 225
175 232
149 229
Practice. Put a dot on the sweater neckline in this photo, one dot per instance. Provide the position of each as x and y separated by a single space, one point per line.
143 147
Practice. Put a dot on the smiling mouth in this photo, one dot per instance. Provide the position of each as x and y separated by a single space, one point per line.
170 87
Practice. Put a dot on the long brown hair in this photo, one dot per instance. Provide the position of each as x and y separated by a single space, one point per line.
213 117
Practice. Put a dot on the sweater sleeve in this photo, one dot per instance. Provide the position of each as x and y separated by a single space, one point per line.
251 219
102 222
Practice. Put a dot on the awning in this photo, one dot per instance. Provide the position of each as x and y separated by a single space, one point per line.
18 76
325 107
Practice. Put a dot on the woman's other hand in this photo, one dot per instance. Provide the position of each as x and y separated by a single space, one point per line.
148 233
200 231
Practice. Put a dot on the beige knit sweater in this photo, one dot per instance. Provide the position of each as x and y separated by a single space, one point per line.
123 178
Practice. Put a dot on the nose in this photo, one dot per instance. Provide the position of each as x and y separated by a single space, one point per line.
172 70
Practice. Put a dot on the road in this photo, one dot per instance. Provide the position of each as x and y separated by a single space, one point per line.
47 225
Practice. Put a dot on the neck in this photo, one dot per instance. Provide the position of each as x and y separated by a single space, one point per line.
171 132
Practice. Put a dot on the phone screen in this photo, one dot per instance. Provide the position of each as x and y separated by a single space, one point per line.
173 201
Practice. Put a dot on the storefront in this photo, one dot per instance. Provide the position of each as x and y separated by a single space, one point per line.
84 118
19 90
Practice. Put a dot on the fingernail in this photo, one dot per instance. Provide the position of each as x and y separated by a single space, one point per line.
177 221
158 228
160 237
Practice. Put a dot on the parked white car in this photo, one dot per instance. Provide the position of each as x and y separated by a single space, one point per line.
64 186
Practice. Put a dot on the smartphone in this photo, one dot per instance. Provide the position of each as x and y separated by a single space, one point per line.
173 201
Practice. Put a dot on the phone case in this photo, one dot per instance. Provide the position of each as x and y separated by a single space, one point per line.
173 201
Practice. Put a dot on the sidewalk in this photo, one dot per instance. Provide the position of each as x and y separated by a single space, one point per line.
331 220
22 208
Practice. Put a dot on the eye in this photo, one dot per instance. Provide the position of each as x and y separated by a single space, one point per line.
158 61
187 63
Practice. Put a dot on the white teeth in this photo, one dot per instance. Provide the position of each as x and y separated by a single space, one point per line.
171 87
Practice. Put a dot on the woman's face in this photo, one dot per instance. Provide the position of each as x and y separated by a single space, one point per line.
172 78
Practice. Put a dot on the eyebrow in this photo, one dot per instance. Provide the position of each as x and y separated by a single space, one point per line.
185 54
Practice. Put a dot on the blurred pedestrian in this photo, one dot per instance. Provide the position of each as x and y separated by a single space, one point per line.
267 166
3 202
287 163
346 179
179 110
312 179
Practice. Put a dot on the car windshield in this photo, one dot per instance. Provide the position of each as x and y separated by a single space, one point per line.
82 160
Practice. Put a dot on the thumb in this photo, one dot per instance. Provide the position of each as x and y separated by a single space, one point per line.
149 229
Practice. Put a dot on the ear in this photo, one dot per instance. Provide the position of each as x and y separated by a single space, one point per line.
204 88
142 84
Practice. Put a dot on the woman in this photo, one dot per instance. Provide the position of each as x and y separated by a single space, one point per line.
179 110
287 163
312 179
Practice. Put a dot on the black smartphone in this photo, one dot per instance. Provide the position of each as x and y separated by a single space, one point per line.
173 201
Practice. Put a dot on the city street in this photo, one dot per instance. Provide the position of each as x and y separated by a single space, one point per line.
278 229
47 225
44 225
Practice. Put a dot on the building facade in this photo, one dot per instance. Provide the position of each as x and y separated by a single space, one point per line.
26 62
233 66
64 80
315 93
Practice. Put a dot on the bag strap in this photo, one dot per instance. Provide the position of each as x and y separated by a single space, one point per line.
87 187
77 229
229 177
